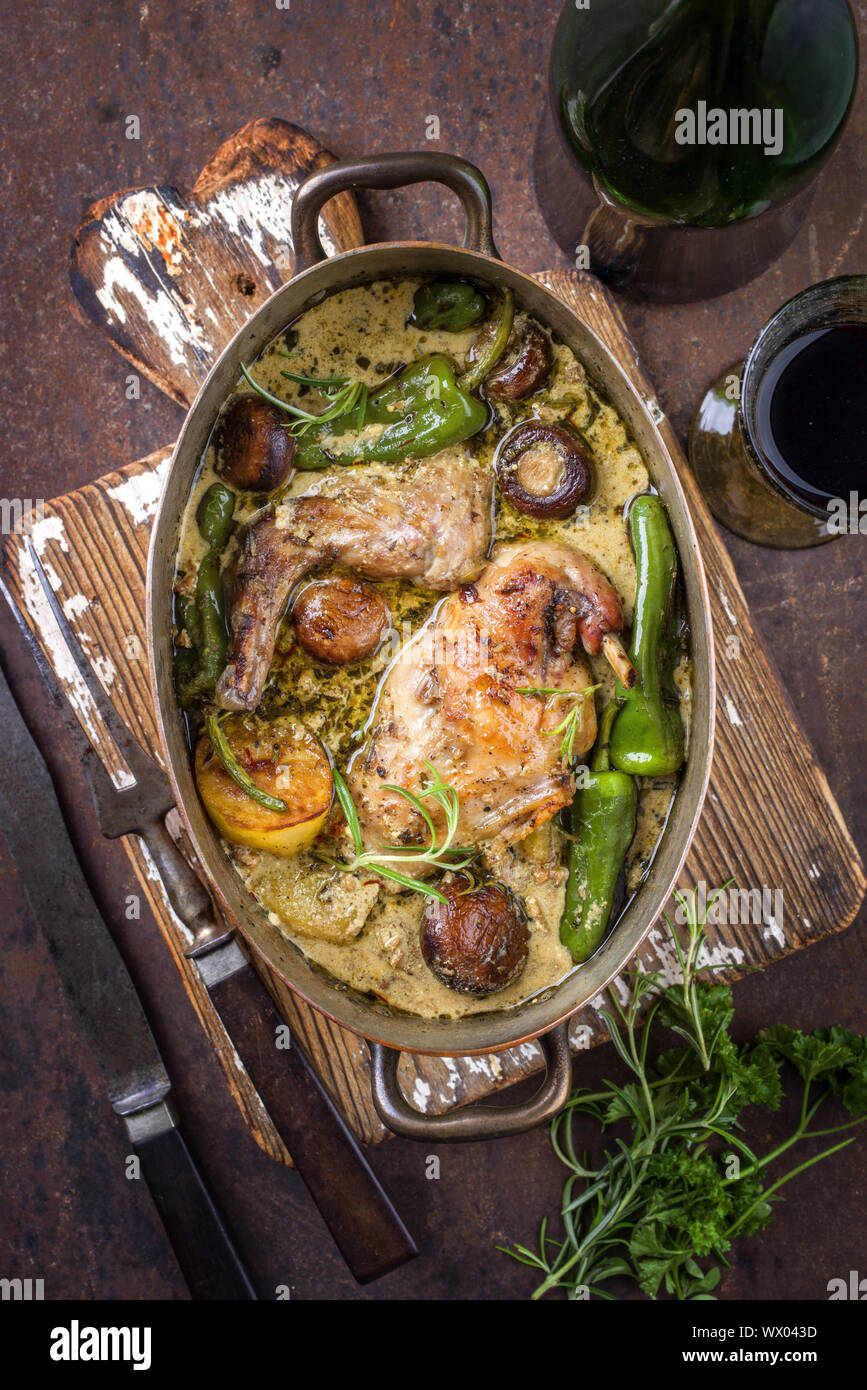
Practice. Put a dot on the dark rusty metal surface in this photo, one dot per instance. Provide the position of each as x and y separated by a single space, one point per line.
95 979
361 83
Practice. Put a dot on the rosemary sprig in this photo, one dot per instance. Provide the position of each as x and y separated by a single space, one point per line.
321 381
345 399
222 748
348 807
435 855
568 728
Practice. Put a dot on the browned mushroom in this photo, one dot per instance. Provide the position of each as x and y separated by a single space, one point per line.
544 470
525 366
340 620
477 941
254 448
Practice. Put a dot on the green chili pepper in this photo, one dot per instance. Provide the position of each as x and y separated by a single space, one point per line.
449 304
184 667
491 343
647 739
602 818
422 408
223 750
204 615
191 622
211 605
214 515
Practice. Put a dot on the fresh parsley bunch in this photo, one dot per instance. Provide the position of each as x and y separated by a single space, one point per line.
684 1182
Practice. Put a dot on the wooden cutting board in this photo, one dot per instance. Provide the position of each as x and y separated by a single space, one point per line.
169 277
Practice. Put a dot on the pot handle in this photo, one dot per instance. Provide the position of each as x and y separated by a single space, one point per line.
391 171
476 1121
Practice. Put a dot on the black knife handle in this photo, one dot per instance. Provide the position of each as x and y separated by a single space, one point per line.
359 1214
198 1234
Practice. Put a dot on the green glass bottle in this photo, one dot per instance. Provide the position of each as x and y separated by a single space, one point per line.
701 114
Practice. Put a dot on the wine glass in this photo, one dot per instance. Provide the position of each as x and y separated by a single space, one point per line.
779 442
680 152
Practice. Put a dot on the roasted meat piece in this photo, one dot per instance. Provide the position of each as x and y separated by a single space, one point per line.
452 699
429 522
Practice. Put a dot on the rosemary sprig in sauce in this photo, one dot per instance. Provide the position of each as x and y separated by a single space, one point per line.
346 396
332 382
445 856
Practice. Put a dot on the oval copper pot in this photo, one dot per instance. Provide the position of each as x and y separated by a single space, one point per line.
546 1016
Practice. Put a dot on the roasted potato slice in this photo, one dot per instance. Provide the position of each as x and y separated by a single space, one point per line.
314 900
283 760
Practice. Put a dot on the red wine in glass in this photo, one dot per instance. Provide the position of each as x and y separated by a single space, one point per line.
811 414
779 443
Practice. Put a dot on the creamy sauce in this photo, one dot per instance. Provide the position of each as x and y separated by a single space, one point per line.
365 935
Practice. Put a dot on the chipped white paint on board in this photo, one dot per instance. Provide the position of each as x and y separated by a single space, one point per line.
731 713
62 663
421 1094
258 213
52 576
158 224
476 1066
622 988
448 1081
140 494
49 528
153 226
453 1081
724 600
73 607
164 312
105 670
773 931
667 964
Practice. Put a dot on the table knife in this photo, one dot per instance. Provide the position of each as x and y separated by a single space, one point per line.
364 1223
97 984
